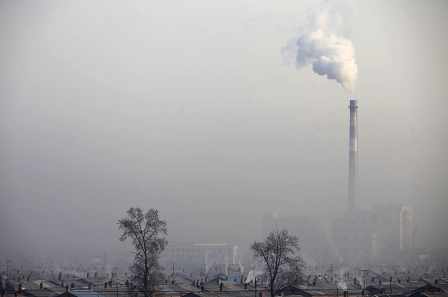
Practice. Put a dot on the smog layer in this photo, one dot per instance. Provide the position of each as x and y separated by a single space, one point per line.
215 113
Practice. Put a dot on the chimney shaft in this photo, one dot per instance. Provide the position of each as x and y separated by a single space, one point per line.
353 158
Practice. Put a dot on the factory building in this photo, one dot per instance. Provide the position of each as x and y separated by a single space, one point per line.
199 254
357 236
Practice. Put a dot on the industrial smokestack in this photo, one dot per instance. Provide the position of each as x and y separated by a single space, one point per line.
353 158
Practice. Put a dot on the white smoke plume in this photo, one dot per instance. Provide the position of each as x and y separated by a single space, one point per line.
207 266
325 46
226 267
342 285
95 261
404 267
253 273
343 269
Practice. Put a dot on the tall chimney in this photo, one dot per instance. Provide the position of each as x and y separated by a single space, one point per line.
353 158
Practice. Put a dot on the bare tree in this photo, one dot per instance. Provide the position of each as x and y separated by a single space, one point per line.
146 231
279 256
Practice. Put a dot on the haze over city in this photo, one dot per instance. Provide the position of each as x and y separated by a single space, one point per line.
197 109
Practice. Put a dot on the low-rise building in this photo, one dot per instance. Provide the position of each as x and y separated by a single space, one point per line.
199 254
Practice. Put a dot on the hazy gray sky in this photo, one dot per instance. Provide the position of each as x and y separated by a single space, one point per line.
192 107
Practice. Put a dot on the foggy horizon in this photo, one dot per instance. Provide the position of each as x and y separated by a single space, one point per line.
206 112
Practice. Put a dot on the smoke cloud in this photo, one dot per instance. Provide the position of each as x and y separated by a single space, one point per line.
253 273
342 285
207 265
325 46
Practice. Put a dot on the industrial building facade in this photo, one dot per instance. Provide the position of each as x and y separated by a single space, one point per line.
358 236
199 254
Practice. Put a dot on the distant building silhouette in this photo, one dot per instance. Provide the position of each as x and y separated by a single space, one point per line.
356 236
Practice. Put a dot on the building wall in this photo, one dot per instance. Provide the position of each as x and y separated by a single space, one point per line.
314 233
396 232
356 236
201 254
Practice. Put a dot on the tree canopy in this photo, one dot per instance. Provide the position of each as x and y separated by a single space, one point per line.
279 255
146 231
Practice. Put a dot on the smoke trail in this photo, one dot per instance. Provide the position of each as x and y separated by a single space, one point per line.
403 267
241 267
240 261
325 47
207 266
95 261
226 267
342 270
325 223
342 285
253 273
